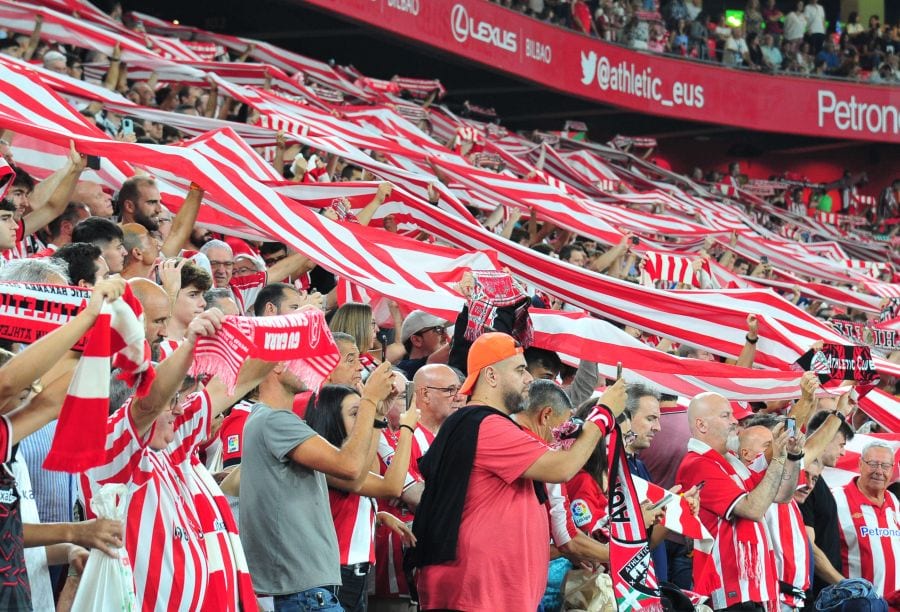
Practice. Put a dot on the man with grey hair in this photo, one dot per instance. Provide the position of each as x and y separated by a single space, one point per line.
221 299
54 61
548 407
35 271
868 519
244 289
736 568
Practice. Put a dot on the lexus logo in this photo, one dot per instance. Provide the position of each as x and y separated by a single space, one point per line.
459 23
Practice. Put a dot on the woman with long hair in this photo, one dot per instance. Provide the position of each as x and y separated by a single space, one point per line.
353 508
357 320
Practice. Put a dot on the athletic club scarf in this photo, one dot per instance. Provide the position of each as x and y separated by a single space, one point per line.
30 311
495 290
630 565
301 339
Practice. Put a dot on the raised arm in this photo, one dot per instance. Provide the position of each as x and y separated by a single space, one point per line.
754 505
748 353
46 210
560 466
36 360
171 372
366 214
183 222
353 459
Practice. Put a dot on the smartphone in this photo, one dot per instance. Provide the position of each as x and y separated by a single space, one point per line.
383 340
410 393
635 240
618 370
764 259
127 126
668 497
791 426
92 162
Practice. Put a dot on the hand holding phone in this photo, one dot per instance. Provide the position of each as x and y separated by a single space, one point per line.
410 393
791 426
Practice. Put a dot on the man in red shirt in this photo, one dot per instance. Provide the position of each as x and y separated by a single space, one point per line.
482 527
737 569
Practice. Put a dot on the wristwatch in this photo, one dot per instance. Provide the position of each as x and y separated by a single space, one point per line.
380 423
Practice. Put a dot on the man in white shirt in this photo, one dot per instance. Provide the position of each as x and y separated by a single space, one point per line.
736 51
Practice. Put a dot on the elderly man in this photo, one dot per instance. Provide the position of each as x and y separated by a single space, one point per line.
245 289
870 526
482 518
733 504
437 397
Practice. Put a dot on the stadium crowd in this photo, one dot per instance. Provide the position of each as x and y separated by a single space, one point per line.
801 39
387 451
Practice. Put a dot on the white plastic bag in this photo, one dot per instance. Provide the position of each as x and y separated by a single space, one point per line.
107 584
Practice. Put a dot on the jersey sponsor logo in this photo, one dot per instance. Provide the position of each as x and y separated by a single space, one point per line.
581 513
878 532
8 496
234 444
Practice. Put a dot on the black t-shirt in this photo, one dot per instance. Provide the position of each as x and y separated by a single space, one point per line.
15 592
820 512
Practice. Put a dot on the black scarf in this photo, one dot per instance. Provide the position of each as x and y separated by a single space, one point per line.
446 468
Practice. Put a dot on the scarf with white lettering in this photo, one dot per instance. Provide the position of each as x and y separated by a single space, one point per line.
30 311
302 339
631 568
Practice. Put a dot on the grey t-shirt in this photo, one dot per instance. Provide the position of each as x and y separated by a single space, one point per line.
285 521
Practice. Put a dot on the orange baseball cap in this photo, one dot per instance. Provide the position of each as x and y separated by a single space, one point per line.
487 350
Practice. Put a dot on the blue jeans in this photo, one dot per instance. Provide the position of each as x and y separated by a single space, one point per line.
312 600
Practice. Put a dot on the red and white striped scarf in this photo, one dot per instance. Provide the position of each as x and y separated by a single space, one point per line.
302 339
30 311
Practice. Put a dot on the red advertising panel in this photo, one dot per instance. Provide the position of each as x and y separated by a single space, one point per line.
589 68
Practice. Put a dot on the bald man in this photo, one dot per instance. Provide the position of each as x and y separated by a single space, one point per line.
92 195
157 310
783 519
141 249
735 569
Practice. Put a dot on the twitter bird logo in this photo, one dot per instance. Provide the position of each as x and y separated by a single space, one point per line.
588 67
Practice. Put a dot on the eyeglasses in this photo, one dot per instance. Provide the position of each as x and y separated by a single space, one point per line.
448 390
221 264
271 261
438 329
879 465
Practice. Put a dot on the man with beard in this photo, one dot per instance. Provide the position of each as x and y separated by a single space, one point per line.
482 521
140 202
736 570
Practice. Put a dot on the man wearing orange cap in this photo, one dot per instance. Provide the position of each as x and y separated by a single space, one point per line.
481 526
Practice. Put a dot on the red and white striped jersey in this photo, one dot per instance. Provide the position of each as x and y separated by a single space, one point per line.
390 580
354 522
163 532
870 537
737 565
245 288
230 588
421 442
791 547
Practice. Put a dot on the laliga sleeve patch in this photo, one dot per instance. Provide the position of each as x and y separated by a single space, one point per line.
581 513
233 444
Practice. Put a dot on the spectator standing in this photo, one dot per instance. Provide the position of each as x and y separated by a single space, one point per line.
815 24
482 519
869 521
820 512
753 18
773 17
795 26
737 568
698 37
284 496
